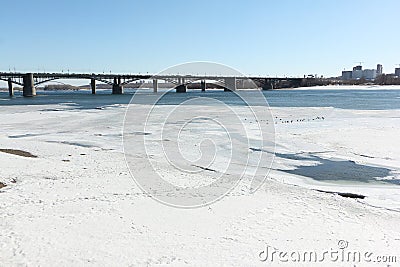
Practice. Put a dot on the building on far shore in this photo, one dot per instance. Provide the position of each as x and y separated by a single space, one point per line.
347 75
379 69
397 72
358 73
369 74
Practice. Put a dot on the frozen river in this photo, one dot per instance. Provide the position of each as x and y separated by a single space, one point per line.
75 202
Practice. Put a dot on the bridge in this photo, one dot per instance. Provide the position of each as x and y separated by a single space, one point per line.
29 81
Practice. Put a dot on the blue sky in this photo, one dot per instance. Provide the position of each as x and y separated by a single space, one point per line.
258 37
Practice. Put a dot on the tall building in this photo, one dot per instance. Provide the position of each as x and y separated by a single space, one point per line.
347 75
397 72
369 74
379 69
357 72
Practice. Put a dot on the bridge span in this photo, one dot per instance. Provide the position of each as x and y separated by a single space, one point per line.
29 81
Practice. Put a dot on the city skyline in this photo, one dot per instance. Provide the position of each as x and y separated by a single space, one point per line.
284 38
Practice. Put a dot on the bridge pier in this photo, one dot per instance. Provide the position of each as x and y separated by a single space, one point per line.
203 85
93 86
117 88
10 87
29 86
230 84
181 88
155 85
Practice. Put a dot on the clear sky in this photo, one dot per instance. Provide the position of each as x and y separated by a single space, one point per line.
258 37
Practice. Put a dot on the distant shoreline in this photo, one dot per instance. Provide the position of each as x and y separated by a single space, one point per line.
347 87
326 87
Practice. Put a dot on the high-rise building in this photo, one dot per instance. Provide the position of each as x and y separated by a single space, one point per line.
397 72
369 74
379 69
347 75
357 74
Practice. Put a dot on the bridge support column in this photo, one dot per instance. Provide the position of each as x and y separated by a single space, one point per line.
93 86
230 84
29 86
181 88
155 85
203 86
117 88
10 87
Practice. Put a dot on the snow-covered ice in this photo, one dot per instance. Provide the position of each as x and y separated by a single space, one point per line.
76 203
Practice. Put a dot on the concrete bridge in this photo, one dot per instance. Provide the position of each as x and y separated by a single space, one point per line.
29 81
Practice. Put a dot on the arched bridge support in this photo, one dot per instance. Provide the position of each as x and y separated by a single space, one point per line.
29 86
117 88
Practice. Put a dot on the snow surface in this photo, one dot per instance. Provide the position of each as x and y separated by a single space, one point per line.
76 204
